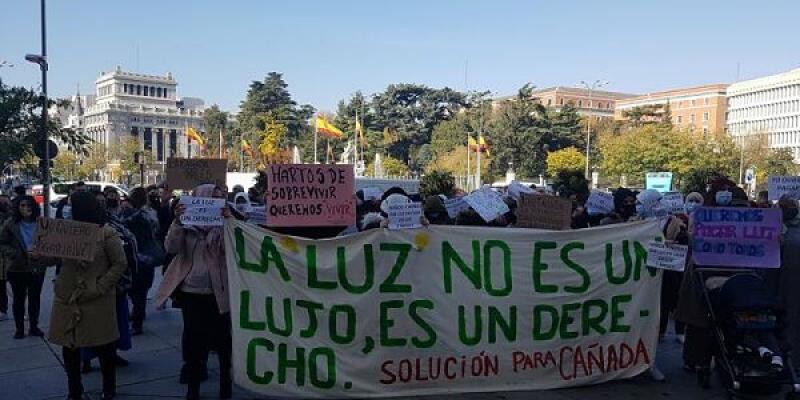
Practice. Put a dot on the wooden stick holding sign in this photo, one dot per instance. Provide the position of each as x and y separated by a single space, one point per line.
63 238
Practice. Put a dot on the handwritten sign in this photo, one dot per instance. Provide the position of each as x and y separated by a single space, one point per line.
487 203
737 237
188 173
405 216
600 203
544 212
372 193
672 203
455 206
202 211
784 185
516 188
257 215
661 181
63 238
666 256
310 195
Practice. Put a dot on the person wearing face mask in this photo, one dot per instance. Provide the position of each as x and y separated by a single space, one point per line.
5 216
789 273
112 201
198 278
25 271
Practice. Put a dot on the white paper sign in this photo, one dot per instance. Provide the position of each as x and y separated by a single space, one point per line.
405 216
202 211
372 193
455 206
672 203
487 203
784 185
516 188
600 203
257 215
666 256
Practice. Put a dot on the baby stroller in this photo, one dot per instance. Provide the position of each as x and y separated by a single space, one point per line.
747 323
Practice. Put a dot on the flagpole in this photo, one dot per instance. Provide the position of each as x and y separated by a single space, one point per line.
220 143
241 152
467 177
355 136
480 150
316 132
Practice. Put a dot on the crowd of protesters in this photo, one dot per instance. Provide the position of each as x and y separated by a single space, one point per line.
98 306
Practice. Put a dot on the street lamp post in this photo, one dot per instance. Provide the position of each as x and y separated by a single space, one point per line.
41 60
590 87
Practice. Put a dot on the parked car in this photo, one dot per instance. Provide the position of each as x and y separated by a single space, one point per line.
59 190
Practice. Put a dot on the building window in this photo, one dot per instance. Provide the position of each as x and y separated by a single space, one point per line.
138 90
705 131
158 92
705 101
694 102
173 142
134 131
561 101
148 139
549 102
691 119
680 119
160 144
705 117
580 103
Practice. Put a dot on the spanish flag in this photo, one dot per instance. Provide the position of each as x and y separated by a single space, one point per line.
479 145
247 148
360 133
194 135
326 128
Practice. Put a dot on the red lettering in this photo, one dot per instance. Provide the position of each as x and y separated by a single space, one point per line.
392 378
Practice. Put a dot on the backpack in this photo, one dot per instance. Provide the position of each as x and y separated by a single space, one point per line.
131 248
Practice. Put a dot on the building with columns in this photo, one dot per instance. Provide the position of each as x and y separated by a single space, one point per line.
767 106
146 108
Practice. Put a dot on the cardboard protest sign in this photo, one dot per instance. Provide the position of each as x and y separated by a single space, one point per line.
600 203
661 181
63 238
487 203
455 206
405 216
515 189
257 215
310 195
672 203
544 212
202 211
666 256
737 237
784 185
444 310
188 173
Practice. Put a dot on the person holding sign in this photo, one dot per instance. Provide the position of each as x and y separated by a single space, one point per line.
198 279
84 313
25 271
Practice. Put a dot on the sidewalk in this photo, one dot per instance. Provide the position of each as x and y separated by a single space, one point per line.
30 369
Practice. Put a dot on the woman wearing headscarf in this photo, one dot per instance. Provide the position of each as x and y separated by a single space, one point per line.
25 271
198 278
84 313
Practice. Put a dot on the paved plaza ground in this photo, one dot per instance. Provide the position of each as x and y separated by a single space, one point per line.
30 369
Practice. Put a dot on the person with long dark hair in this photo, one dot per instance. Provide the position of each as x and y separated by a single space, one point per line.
25 271
198 278
84 313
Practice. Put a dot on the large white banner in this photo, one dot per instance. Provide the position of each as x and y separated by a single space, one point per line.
440 309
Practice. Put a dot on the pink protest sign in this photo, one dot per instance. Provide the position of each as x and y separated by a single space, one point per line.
736 237
310 195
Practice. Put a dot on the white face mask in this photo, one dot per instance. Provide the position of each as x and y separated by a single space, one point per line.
723 198
66 212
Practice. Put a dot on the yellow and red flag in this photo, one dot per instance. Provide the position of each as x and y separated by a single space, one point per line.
327 129
194 135
479 145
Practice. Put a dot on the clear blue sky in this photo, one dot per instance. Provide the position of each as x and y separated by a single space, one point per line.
329 49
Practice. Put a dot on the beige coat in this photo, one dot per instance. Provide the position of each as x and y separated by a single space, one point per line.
84 302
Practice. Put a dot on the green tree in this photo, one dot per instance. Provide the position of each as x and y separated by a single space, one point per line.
408 113
272 96
216 121
20 123
455 162
94 161
648 114
450 134
567 130
124 151
572 183
391 167
66 167
568 159
437 182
